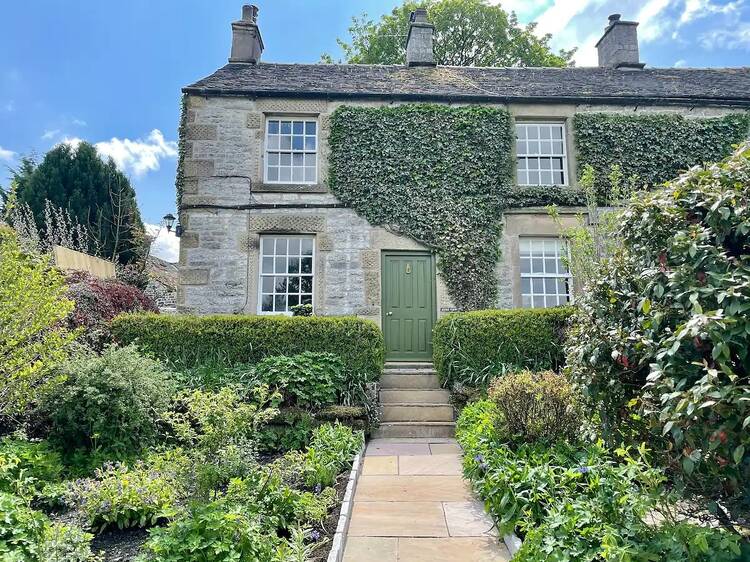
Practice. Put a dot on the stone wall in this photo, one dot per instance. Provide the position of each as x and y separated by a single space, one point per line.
224 168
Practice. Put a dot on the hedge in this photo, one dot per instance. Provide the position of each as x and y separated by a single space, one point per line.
187 341
473 346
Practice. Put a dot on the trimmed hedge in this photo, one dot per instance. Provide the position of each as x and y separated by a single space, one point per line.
472 346
186 341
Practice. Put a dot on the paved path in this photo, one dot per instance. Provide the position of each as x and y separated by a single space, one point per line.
412 505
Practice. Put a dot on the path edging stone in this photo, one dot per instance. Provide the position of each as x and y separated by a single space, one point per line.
345 516
512 543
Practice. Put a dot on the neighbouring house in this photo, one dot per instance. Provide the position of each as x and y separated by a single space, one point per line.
162 283
262 229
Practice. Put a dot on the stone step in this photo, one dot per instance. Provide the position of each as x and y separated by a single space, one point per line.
408 365
424 381
417 412
410 396
409 371
415 429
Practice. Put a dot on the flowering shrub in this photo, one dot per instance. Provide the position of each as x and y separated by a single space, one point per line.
140 495
666 324
98 301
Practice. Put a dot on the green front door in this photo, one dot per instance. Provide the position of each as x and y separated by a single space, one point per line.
408 305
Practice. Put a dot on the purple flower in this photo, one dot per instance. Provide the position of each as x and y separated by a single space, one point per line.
314 536
479 458
318 488
484 466
583 469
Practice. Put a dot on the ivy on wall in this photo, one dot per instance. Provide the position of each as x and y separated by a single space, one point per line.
179 181
434 173
654 147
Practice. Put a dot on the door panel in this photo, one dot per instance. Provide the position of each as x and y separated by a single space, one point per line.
408 305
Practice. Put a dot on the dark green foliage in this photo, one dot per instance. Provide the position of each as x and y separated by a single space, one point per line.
289 430
331 451
187 341
582 503
435 173
473 347
537 407
182 145
666 325
544 195
308 379
26 467
111 402
94 191
654 147
21 529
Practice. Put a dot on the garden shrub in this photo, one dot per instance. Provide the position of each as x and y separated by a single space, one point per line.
575 502
537 406
21 529
66 543
331 450
26 467
33 339
140 495
474 347
290 429
111 402
307 380
214 531
666 325
189 340
220 430
98 301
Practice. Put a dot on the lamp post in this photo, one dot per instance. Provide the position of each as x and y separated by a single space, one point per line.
169 219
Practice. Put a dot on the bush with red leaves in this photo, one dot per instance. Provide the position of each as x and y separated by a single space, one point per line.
100 300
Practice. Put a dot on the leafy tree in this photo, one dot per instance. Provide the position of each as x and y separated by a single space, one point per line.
93 191
467 33
33 339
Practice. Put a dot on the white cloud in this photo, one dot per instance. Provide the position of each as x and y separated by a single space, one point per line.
734 39
652 25
680 63
79 122
696 9
166 245
141 155
136 156
50 134
7 155
524 9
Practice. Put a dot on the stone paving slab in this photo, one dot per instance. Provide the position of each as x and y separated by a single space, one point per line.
398 449
468 519
398 519
445 449
430 465
376 465
469 549
412 489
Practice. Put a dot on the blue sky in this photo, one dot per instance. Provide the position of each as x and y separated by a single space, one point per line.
111 72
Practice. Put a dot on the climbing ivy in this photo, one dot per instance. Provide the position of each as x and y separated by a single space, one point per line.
435 173
654 147
179 182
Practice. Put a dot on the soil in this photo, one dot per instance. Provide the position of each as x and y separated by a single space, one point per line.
328 529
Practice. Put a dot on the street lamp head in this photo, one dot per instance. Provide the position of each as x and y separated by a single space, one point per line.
169 219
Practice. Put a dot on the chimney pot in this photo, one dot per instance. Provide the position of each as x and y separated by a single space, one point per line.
419 48
618 47
247 43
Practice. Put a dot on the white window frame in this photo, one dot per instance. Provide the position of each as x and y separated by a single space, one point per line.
528 155
561 244
267 151
261 275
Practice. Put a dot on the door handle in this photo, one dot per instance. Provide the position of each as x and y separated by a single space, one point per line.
389 313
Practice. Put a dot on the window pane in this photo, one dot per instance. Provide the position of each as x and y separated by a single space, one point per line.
306 265
536 265
294 284
550 265
538 285
273 174
306 299
285 159
298 160
285 174
550 286
273 127
298 128
297 143
307 247
267 303
281 246
292 300
521 131
267 265
550 301
557 133
273 158
285 143
532 132
298 174
280 265
267 246
310 127
526 285
310 174
280 285
294 246
526 301
545 133
279 303
525 265
306 284
538 302
286 127
273 142
309 143
533 178
521 147
267 285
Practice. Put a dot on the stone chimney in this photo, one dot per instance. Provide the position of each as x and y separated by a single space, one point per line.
618 47
247 44
419 41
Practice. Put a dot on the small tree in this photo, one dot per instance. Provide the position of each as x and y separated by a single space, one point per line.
33 337
467 33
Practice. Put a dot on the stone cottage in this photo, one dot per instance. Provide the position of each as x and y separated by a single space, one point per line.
261 231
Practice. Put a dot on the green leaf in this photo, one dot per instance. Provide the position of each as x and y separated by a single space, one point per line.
738 454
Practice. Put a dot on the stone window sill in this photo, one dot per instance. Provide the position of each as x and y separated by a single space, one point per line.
289 188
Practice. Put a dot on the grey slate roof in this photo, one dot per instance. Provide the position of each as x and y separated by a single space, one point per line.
711 86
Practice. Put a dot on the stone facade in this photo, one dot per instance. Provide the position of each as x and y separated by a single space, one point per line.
227 208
